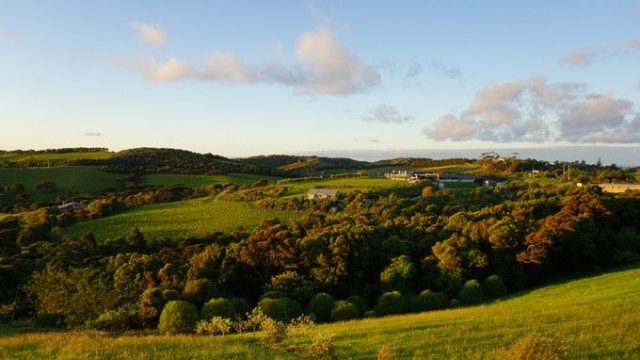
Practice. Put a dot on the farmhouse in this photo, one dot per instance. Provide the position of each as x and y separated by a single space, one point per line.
319 194
619 188
72 205
411 176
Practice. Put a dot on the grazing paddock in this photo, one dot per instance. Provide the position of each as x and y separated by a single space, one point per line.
201 180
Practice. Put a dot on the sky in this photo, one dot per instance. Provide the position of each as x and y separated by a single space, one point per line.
241 78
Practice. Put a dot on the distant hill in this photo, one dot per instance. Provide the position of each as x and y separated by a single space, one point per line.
160 160
50 157
305 165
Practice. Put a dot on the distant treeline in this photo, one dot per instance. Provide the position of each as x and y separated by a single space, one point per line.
427 163
56 151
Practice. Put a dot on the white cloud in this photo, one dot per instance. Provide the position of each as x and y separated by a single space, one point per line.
324 67
172 69
448 71
93 133
227 67
149 34
385 114
330 68
450 127
536 110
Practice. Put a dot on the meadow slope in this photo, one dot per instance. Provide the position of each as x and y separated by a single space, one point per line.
196 217
595 317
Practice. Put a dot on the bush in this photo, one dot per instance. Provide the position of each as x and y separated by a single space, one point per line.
370 314
220 307
275 331
240 306
178 317
493 287
114 320
282 309
391 303
150 306
428 300
320 306
454 303
536 347
359 302
322 346
471 293
215 326
344 310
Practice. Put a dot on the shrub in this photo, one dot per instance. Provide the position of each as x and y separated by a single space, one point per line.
391 303
370 314
322 346
493 287
344 310
321 305
536 347
178 317
399 275
220 307
151 303
114 320
292 308
428 300
170 294
274 308
302 325
275 331
359 302
215 326
454 303
240 306
471 293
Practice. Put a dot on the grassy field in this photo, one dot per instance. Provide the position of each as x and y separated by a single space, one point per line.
71 181
53 158
595 317
178 219
460 187
200 180
344 185
452 169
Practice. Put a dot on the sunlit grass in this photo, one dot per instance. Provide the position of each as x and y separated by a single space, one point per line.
200 180
179 219
596 317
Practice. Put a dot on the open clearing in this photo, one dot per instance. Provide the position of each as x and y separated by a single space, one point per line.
297 188
196 217
595 317
200 180
71 181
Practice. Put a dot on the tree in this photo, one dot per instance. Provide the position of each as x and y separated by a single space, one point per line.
220 307
391 303
427 192
178 317
399 275
493 287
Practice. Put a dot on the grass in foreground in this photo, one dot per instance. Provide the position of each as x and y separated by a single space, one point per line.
196 217
200 180
71 181
596 317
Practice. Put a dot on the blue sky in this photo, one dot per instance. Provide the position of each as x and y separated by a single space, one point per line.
241 78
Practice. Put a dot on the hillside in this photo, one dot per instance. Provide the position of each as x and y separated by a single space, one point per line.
305 165
52 157
196 217
593 317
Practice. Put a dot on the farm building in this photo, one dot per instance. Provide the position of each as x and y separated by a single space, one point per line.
319 194
619 188
411 175
458 178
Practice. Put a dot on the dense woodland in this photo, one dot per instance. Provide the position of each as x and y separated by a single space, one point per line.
362 254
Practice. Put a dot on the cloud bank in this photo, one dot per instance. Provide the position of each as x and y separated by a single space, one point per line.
323 66
149 34
536 110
